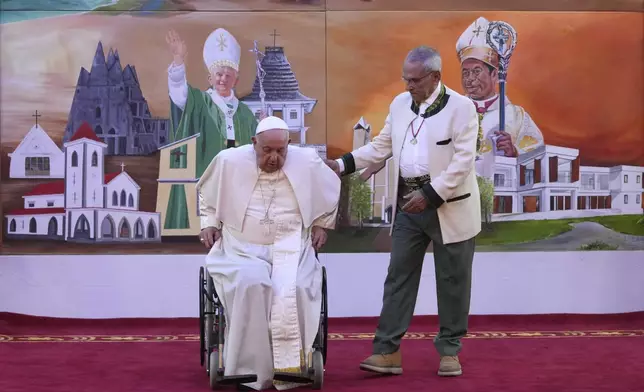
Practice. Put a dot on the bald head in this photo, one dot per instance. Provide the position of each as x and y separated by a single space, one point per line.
271 147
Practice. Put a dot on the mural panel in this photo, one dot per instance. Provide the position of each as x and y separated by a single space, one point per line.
566 174
100 145
106 161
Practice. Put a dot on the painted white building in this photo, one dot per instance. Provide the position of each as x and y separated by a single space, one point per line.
37 156
550 183
88 205
283 97
546 183
319 148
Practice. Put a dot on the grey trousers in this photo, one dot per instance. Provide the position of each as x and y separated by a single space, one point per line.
411 236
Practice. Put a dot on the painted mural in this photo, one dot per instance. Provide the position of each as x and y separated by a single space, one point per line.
100 152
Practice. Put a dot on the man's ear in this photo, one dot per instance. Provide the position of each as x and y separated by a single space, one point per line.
494 74
209 79
254 139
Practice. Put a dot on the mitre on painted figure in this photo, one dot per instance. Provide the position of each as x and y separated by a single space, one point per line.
221 50
472 44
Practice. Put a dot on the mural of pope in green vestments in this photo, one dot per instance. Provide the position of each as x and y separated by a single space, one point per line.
215 114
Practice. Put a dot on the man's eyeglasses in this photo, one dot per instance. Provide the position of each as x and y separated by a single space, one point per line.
415 81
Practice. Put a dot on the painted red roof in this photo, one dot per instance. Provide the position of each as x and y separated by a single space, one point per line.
50 188
110 176
36 211
85 131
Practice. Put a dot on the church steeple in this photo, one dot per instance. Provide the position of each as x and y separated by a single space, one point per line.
98 73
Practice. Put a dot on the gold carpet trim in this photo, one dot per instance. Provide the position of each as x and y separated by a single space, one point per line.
126 338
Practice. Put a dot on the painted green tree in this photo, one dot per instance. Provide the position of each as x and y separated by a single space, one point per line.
486 189
359 199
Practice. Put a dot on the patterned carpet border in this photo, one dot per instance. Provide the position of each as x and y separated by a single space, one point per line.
332 336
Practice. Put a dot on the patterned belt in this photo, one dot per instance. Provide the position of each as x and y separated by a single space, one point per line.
414 183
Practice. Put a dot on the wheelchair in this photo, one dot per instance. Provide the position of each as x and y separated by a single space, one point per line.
212 327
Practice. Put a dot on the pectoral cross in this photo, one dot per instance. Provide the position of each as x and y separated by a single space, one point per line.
267 222
36 115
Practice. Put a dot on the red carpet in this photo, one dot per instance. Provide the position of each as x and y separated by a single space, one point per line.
503 353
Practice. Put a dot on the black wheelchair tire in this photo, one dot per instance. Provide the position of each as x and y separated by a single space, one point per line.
325 316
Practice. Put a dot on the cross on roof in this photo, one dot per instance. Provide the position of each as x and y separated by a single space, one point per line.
122 166
36 115
274 35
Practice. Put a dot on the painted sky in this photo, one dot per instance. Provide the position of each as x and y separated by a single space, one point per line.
580 78
579 75
41 60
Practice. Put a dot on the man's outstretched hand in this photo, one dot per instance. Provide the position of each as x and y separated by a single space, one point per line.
209 236
334 165
318 237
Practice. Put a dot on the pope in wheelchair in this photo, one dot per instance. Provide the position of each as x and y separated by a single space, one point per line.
264 210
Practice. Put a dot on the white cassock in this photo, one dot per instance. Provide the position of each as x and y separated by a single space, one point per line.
265 270
525 134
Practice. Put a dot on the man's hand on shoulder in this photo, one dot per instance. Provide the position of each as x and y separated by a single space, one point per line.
334 165
209 236
318 237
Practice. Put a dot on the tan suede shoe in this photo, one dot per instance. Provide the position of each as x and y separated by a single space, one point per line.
383 363
450 367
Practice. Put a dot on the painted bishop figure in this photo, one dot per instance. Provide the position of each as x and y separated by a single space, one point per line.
479 76
220 119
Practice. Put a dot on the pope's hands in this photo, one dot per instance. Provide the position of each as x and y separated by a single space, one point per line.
209 236
334 165
318 237
416 202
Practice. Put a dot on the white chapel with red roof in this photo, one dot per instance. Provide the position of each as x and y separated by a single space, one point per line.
87 205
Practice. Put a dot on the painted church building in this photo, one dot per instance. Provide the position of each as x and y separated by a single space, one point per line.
88 205
37 156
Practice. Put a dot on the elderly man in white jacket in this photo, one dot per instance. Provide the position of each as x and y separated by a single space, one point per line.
431 132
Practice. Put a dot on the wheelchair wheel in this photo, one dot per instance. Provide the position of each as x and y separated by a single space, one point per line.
202 299
209 315
318 370
213 369
325 317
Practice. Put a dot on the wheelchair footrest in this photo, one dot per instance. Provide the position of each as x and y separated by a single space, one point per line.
298 378
234 380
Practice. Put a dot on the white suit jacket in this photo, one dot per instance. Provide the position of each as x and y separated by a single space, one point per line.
452 134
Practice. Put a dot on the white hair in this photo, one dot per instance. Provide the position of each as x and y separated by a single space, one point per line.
430 58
